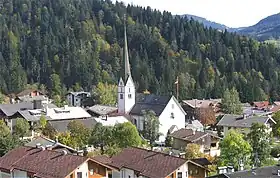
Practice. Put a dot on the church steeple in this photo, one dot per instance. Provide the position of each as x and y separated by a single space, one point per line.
125 53
126 88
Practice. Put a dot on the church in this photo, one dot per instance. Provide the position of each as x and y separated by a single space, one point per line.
169 111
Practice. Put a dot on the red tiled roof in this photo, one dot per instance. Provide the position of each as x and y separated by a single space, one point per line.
147 163
102 159
261 104
44 163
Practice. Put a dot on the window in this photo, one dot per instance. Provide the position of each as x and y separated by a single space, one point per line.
172 106
128 89
129 96
196 171
172 115
79 175
179 175
213 144
186 173
121 96
191 173
90 172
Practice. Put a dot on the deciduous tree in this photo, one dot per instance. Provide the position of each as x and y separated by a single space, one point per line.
234 149
151 122
126 135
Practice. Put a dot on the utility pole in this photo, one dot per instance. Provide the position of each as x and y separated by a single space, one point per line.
177 87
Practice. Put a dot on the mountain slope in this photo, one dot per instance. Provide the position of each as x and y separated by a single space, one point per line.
206 22
268 27
63 44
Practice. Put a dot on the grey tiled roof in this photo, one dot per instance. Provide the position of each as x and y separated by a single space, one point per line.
149 102
102 110
11 109
26 115
61 125
263 172
46 141
238 120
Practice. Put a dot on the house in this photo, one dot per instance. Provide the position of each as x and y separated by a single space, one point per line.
40 162
243 123
190 106
260 172
50 144
209 142
59 118
77 98
29 95
167 108
142 163
10 112
101 110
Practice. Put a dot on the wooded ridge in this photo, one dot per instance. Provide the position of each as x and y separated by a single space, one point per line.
80 42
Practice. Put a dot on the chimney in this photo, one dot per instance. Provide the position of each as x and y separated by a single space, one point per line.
48 147
38 145
64 152
193 131
42 148
244 116
56 139
170 152
65 107
230 169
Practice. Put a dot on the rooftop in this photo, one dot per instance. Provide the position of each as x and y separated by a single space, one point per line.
195 103
43 141
61 125
112 120
262 172
79 93
241 121
43 163
67 112
146 162
102 110
188 135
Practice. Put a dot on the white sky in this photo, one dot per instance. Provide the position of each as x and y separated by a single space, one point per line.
233 13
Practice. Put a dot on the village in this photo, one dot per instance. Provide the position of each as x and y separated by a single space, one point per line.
144 135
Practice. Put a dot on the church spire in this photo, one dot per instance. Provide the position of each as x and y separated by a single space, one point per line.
125 53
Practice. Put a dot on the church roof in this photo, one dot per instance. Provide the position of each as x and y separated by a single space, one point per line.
152 102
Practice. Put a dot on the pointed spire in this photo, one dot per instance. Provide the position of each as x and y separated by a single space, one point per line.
125 52
121 83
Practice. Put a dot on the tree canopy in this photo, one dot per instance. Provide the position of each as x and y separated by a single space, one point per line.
63 43
151 129
230 102
21 128
234 148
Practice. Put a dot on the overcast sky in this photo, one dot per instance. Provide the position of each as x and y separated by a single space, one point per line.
233 13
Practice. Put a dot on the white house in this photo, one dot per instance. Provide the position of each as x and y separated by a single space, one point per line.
166 108
76 98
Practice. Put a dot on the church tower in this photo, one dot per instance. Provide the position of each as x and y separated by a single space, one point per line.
126 87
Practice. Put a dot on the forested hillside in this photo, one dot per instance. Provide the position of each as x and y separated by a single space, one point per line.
74 41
